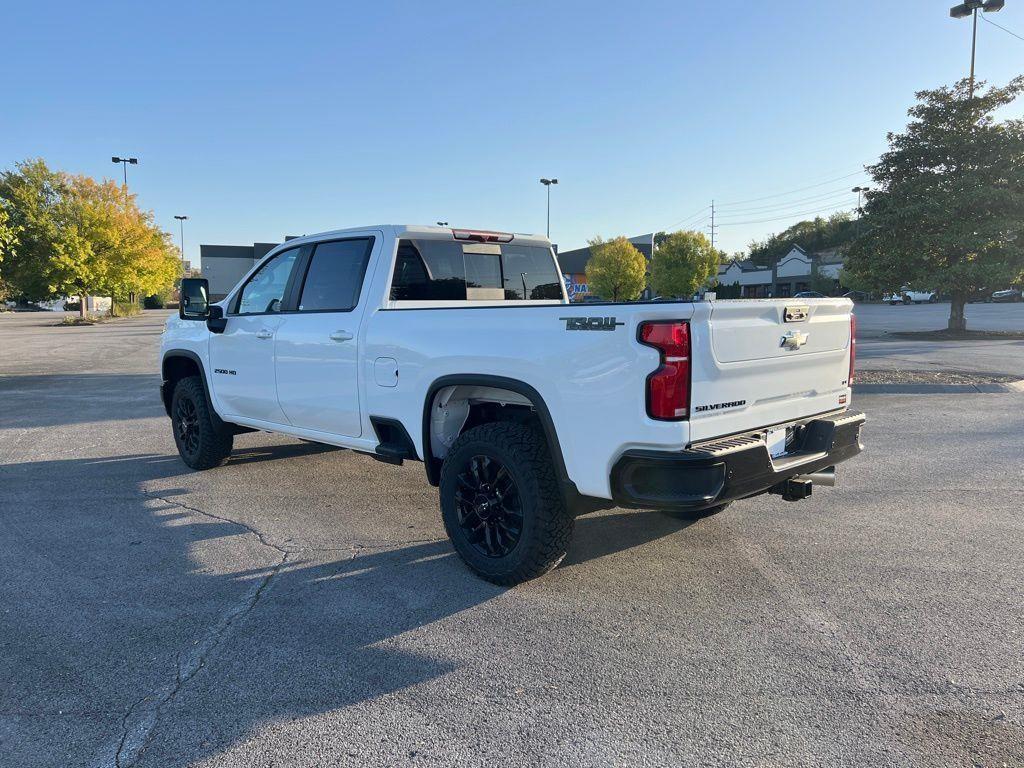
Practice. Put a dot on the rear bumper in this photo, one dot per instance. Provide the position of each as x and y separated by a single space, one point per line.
712 473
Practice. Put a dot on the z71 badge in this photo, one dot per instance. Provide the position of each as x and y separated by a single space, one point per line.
590 323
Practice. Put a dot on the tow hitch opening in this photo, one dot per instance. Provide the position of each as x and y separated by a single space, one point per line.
793 489
800 486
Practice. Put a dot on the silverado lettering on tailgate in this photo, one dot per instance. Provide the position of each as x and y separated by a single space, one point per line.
719 406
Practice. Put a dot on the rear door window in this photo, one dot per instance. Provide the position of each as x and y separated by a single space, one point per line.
335 275
448 270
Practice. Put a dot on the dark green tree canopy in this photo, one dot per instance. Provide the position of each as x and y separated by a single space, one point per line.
813 235
948 210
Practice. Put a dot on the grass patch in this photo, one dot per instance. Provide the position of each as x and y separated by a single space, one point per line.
74 320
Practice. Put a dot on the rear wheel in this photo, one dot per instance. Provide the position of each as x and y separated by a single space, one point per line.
501 504
201 443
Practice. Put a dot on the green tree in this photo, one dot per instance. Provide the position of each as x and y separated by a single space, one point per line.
683 263
77 236
8 239
8 234
948 214
130 255
616 270
32 196
813 235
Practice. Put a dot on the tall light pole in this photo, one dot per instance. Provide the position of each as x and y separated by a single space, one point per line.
547 183
442 223
125 162
181 226
859 191
970 8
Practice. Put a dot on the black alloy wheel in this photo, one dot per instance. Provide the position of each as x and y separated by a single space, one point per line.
203 440
186 424
489 507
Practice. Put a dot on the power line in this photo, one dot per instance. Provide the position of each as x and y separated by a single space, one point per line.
688 219
792 191
803 201
1007 31
786 216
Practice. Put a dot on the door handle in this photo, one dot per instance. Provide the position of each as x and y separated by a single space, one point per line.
264 333
341 336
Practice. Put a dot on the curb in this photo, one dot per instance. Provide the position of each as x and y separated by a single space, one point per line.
938 389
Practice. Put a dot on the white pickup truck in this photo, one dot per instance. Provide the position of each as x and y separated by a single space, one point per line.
459 348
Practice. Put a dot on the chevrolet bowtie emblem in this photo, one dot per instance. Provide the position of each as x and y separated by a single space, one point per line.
794 340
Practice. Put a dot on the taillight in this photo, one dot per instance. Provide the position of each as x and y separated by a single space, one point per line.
853 348
668 388
482 236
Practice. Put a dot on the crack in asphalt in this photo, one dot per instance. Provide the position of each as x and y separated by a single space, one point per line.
140 719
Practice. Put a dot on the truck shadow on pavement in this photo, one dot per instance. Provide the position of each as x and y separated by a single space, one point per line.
188 630
53 400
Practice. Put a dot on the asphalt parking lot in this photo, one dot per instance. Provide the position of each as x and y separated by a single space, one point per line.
301 606
876 319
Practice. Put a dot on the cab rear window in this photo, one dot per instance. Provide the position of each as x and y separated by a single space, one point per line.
446 270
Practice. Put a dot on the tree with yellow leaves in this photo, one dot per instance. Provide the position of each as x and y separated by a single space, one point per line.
616 270
78 236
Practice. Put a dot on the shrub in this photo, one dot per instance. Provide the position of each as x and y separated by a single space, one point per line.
125 309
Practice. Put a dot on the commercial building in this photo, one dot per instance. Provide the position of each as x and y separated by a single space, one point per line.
791 274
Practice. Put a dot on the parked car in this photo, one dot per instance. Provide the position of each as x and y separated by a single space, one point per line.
907 296
855 296
410 343
809 295
1010 294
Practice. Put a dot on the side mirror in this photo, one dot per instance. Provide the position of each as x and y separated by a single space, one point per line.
195 299
216 321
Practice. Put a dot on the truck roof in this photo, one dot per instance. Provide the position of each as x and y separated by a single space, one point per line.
417 230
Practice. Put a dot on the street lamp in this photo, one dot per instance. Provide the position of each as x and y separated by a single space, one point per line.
547 183
442 223
970 8
859 191
125 162
181 225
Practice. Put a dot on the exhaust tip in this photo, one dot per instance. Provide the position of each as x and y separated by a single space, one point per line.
825 477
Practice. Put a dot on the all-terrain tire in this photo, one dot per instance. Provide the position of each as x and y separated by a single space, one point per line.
546 525
203 441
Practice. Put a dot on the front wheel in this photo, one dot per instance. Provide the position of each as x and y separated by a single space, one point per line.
201 443
501 504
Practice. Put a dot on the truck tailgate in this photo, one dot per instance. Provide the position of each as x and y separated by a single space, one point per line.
765 362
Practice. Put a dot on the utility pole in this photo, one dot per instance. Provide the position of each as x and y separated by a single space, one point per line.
713 227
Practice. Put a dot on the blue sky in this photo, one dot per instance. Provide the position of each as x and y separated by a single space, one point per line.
259 120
